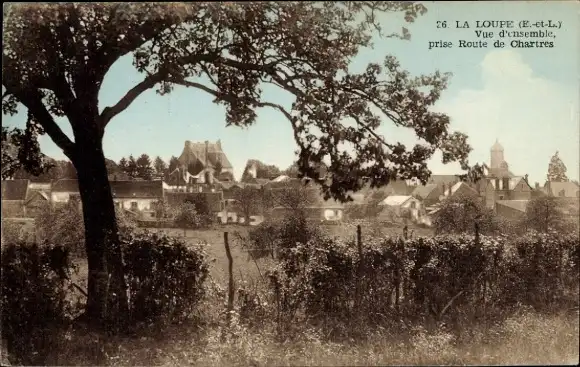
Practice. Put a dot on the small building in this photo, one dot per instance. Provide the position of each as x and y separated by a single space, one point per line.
35 201
429 194
511 209
562 189
460 189
14 194
62 190
320 213
137 196
401 204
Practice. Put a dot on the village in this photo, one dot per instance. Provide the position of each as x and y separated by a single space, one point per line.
204 171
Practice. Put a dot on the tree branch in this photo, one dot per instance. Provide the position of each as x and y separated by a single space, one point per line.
33 102
148 83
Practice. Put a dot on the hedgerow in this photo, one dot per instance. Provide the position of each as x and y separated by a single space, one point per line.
444 278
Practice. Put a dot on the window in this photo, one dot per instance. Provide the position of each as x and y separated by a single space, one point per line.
413 205
134 205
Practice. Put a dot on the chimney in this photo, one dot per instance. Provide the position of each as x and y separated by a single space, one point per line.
537 186
526 178
219 144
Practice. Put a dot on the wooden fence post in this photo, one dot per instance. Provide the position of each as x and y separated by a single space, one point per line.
360 267
231 276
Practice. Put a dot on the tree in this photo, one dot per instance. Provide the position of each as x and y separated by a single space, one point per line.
544 213
123 164
57 55
262 170
187 217
143 167
202 207
131 169
248 202
162 209
20 150
160 166
173 164
556 170
460 214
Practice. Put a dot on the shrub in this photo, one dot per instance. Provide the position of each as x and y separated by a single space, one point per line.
165 278
273 237
187 217
456 278
460 214
64 224
33 298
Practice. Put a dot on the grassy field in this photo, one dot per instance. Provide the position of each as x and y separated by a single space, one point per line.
244 268
524 339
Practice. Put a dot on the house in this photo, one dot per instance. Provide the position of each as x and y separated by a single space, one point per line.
206 158
511 209
429 194
401 204
137 196
447 180
63 189
460 189
14 193
35 201
326 211
562 189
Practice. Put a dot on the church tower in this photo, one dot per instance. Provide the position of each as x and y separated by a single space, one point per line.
496 156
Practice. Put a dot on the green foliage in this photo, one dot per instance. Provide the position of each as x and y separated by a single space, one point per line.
144 168
33 298
249 201
165 278
544 213
202 208
187 217
270 237
262 170
173 164
460 214
312 64
557 170
20 150
63 224
160 166
448 278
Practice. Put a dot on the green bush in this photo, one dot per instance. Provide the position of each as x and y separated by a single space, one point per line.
165 278
33 299
274 237
454 278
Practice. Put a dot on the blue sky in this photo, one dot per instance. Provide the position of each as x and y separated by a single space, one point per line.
528 99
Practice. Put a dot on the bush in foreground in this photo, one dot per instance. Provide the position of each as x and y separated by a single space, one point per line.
458 279
165 278
165 285
33 298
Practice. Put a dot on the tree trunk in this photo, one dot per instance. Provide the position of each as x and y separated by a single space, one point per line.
107 297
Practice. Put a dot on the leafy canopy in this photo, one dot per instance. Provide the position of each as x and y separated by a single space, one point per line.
557 170
57 55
